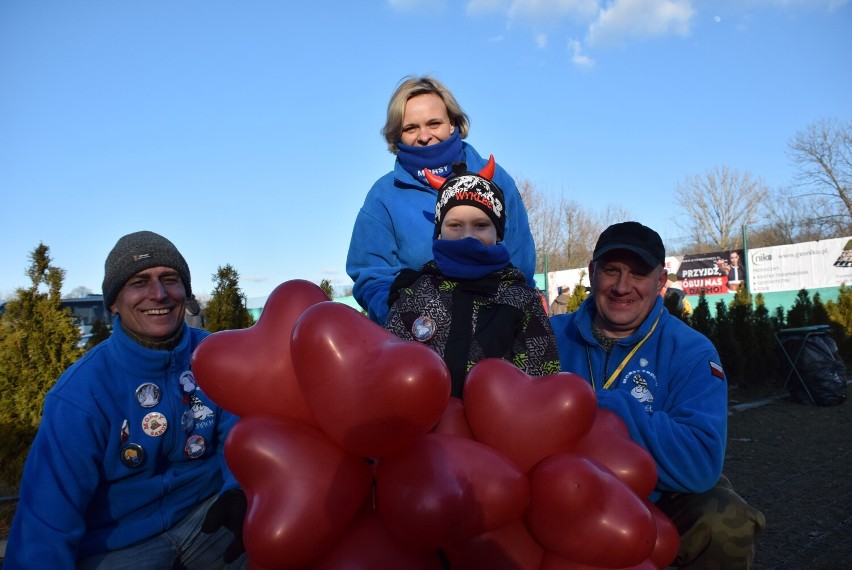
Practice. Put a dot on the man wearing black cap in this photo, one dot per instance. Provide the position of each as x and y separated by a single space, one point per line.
665 380
127 469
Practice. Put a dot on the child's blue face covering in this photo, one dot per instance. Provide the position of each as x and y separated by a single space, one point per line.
468 258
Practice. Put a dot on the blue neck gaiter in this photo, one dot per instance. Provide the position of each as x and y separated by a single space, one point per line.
438 158
468 258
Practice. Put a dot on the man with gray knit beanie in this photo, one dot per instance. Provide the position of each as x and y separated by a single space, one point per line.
128 467
136 252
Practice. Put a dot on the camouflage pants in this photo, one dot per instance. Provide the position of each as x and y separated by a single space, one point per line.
717 528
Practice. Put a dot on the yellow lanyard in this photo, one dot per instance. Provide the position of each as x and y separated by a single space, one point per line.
624 362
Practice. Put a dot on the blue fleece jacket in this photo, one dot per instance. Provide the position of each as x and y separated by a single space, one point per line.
672 393
393 231
77 497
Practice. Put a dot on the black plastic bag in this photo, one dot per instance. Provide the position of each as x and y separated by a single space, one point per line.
820 366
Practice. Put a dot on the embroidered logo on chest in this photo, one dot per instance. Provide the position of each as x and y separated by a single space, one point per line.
642 384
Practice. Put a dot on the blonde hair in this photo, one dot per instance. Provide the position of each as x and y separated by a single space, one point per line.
409 87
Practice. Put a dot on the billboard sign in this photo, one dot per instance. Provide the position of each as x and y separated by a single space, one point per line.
715 273
807 265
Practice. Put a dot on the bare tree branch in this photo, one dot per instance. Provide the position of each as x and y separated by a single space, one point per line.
718 204
564 231
823 153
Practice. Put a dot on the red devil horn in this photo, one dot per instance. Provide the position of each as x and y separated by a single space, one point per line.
434 180
487 171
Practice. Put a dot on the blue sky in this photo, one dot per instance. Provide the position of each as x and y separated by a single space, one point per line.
248 132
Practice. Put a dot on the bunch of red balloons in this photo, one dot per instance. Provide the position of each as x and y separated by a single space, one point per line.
353 455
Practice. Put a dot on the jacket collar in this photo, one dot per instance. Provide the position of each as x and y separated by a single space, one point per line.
586 313
404 178
136 359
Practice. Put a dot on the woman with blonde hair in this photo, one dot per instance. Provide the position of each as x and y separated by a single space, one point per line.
425 129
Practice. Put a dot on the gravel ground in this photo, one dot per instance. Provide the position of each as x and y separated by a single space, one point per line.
794 463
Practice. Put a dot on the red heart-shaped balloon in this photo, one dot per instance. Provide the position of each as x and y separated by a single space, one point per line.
524 417
368 545
581 511
609 443
508 548
668 538
370 391
302 489
444 489
249 372
453 421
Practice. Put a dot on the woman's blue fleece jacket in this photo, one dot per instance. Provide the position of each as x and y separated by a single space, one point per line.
672 393
77 498
394 228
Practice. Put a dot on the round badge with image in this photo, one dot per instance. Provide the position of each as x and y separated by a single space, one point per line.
148 395
187 421
155 424
132 455
195 446
423 329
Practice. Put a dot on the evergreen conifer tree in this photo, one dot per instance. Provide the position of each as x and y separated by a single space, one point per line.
779 320
819 314
840 313
799 314
100 332
725 338
38 341
749 369
226 309
765 354
578 295
327 287
701 320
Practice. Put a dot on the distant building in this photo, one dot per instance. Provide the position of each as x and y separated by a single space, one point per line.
255 304
86 310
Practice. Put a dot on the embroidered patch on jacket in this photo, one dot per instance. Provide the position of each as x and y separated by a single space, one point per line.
716 370
640 389
642 383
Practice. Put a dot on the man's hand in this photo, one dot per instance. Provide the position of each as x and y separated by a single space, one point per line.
229 511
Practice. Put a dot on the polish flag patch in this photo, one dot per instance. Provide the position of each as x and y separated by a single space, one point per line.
716 370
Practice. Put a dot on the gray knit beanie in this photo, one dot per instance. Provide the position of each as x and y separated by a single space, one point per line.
137 252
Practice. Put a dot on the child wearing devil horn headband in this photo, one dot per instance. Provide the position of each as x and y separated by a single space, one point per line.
470 302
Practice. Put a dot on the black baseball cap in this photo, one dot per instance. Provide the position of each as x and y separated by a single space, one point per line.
635 237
